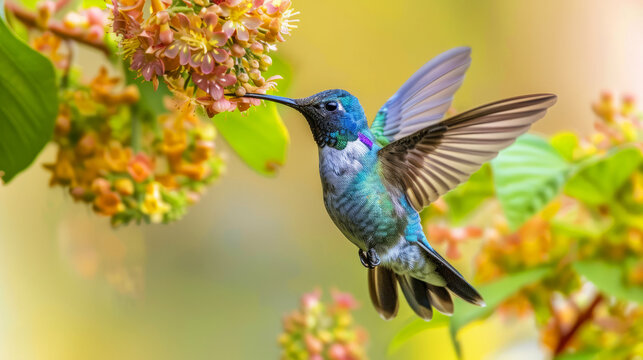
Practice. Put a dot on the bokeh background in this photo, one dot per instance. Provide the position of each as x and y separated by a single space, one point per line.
216 284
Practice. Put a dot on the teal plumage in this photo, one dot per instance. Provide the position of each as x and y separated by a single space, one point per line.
376 180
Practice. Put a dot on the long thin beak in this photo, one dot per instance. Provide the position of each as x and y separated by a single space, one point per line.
278 99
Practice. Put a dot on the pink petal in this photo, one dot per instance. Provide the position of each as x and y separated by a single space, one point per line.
215 90
147 72
200 81
207 65
228 28
196 59
221 105
172 50
227 80
219 71
218 38
184 55
242 33
251 22
220 55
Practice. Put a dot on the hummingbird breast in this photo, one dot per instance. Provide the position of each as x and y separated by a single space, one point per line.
356 198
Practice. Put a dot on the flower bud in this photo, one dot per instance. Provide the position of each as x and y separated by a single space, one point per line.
254 64
241 91
256 48
255 74
260 81
237 50
243 77
267 60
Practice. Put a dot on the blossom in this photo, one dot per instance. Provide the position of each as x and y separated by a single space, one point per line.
217 47
239 19
320 330
148 64
108 203
140 167
153 204
124 186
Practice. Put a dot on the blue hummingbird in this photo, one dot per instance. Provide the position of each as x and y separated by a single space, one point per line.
376 180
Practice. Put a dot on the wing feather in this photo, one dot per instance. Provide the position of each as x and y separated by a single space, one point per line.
424 98
429 162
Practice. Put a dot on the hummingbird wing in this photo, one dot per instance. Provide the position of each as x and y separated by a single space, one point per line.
424 98
435 159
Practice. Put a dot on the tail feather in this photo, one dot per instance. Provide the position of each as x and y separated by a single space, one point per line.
440 299
454 280
382 287
416 294
420 295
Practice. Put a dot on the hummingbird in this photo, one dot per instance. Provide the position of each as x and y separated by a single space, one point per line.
377 179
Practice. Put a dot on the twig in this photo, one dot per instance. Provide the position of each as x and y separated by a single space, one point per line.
580 321
29 19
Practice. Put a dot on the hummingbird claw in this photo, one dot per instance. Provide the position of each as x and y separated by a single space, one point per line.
369 259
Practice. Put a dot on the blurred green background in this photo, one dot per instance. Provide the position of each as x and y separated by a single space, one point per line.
216 284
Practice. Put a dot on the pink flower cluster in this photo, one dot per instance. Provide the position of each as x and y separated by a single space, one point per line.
219 46
319 330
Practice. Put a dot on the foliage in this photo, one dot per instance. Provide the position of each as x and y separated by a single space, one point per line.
143 150
319 331
571 258
527 176
29 104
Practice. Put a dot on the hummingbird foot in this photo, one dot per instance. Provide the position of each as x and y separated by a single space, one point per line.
369 258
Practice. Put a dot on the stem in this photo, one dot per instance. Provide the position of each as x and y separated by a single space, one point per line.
135 137
583 317
70 57
29 19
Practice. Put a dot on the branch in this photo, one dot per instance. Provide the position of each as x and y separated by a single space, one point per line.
29 19
580 321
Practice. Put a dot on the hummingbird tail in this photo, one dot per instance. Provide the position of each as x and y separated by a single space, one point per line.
421 296
455 282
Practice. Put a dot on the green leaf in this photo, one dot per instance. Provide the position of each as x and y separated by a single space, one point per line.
494 294
258 136
609 279
565 142
597 181
415 327
29 103
466 198
527 175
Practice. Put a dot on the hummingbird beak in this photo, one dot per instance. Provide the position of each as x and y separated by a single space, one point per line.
278 99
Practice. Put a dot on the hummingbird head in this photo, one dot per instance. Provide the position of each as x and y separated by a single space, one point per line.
335 116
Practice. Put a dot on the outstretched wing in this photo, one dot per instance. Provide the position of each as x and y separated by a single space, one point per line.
424 98
434 160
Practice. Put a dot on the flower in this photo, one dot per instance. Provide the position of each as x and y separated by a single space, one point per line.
140 167
124 186
219 47
108 203
148 64
319 330
240 19
117 157
153 204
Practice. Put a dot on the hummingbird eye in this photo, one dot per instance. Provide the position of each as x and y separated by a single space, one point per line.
331 106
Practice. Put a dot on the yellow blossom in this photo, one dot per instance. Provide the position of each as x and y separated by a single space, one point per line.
153 204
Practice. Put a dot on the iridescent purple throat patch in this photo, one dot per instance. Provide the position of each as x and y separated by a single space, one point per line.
366 141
